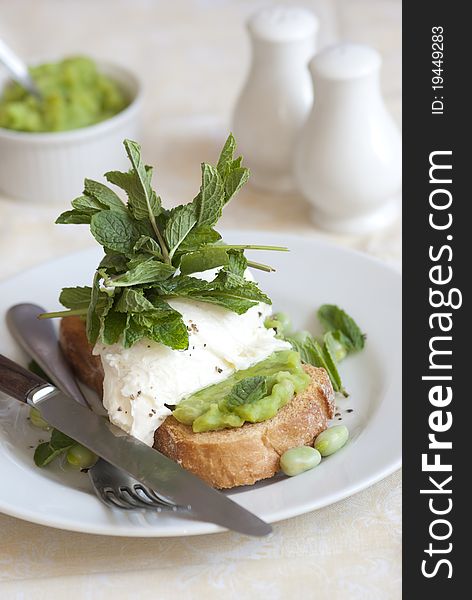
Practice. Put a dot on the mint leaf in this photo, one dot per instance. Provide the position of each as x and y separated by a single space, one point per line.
208 257
312 353
163 326
228 290
143 203
236 163
142 199
84 208
149 271
237 305
230 284
133 300
133 332
73 217
212 256
179 224
87 205
198 237
114 324
96 198
171 332
114 230
75 297
337 344
209 202
246 391
180 285
233 175
44 454
226 156
235 181
148 245
113 261
237 263
60 441
161 311
95 311
332 368
103 195
334 318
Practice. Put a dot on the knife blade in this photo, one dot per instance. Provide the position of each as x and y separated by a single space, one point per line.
126 452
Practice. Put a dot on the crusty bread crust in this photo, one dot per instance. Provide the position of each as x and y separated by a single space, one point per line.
231 457
242 456
78 351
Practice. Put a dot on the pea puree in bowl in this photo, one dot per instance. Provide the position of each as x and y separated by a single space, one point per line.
74 95
76 130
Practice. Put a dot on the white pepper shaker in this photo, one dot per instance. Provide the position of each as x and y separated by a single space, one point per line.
348 159
277 95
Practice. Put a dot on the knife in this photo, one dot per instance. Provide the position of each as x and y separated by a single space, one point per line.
147 465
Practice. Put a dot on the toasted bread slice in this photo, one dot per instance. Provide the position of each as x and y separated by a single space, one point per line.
244 455
230 457
78 351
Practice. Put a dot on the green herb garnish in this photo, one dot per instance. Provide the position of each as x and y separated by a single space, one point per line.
344 328
342 337
151 253
59 443
248 390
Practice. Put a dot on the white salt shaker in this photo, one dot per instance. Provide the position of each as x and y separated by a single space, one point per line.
348 159
277 95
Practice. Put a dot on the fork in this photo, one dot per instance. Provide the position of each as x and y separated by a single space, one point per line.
116 488
113 486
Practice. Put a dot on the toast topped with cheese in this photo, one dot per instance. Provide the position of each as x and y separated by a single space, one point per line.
230 457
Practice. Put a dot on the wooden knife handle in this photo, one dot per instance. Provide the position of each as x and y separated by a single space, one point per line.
16 381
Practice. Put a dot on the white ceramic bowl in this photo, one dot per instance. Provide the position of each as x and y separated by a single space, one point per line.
50 168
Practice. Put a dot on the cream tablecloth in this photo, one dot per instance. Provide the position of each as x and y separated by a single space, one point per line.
192 55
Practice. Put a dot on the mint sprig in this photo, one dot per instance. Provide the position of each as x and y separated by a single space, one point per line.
342 337
151 253
247 390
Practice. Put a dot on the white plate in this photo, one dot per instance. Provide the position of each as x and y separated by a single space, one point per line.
312 273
